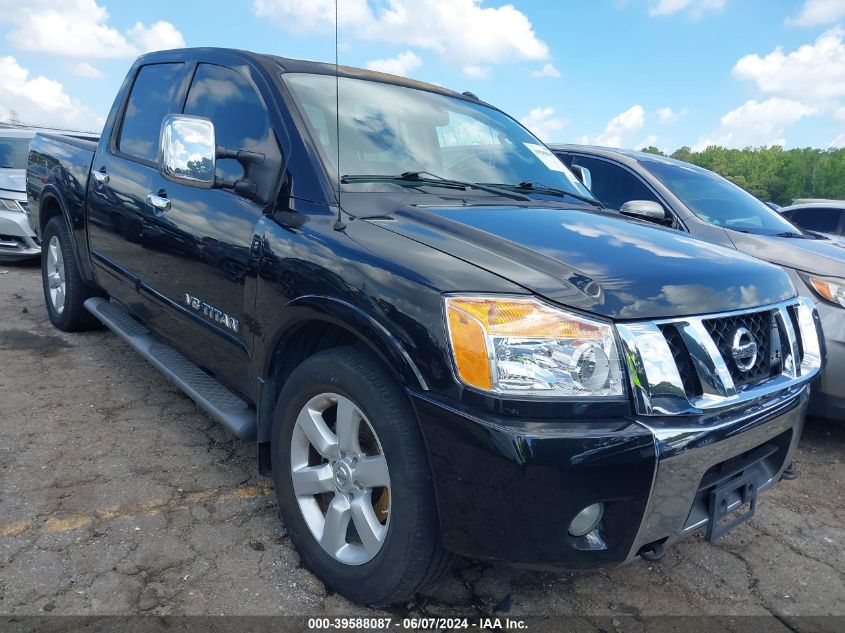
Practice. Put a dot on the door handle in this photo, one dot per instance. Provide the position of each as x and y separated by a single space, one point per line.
160 203
101 176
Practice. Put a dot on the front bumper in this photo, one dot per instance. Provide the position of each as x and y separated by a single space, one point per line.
507 490
17 240
828 399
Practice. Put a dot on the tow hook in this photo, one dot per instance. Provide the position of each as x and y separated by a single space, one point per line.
789 473
653 552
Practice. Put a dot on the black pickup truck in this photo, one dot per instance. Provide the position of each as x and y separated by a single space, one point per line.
440 342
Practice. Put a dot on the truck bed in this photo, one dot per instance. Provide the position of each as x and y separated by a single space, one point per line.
61 162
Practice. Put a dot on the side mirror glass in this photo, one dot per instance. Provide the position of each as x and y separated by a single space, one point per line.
188 150
583 175
647 210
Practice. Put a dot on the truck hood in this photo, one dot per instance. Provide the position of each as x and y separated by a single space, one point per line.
595 261
13 180
820 256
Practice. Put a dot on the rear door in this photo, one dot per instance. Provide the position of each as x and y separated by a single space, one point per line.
202 252
122 175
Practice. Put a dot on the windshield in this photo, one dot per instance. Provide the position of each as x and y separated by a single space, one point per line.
13 153
719 201
390 130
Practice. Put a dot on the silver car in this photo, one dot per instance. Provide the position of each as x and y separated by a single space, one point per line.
17 239
701 203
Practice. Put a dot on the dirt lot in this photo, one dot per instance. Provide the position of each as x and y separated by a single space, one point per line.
118 497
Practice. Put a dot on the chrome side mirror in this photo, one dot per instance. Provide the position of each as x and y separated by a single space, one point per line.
647 210
583 175
188 150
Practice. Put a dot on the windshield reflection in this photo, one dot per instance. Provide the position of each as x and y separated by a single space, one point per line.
388 130
718 201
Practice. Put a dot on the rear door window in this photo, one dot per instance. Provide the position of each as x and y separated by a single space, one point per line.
153 96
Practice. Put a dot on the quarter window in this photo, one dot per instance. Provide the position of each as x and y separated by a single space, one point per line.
152 97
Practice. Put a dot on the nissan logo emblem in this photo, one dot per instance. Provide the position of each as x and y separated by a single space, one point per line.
744 349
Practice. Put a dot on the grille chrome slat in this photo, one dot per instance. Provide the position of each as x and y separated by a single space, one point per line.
790 364
713 372
660 377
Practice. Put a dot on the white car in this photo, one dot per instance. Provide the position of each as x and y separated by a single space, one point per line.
17 239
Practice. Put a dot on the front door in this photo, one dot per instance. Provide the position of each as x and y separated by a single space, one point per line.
199 255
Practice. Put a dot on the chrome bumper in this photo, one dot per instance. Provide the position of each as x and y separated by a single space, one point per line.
685 454
17 241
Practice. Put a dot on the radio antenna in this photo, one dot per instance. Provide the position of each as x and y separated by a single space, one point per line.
339 224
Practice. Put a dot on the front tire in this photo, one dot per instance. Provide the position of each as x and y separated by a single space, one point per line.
64 290
352 479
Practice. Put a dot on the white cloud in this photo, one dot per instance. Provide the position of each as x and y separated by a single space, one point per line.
648 141
696 8
161 36
814 73
621 128
402 64
548 70
839 114
543 123
462 31
80 28
84 69
40 100
668 115
756 123
838 142
476 72
818 12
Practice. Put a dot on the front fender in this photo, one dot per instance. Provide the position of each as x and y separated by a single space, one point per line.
365 327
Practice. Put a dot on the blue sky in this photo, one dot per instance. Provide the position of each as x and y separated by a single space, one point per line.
616 72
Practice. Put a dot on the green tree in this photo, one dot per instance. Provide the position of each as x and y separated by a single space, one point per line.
774 174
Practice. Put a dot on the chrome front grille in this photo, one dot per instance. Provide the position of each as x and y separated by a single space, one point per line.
696 364
762 326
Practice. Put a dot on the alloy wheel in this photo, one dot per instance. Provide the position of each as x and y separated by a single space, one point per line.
56 274
340 478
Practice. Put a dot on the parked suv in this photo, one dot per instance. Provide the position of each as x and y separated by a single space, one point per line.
701 203
434 333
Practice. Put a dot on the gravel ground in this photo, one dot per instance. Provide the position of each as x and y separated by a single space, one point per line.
117 496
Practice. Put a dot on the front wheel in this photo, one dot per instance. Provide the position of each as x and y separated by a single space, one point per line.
352 479
64 290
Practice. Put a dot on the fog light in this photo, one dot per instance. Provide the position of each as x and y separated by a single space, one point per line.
586 520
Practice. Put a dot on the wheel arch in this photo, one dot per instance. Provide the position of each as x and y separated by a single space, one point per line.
321 323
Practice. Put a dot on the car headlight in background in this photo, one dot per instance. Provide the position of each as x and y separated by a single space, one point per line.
832 290
11 205
516 346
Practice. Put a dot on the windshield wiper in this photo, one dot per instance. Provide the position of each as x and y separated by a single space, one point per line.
425 177
538 187
789 234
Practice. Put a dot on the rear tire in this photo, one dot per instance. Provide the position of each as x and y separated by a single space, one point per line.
64 290
398 551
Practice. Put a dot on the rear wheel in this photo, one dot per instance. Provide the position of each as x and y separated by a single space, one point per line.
353 481
64 290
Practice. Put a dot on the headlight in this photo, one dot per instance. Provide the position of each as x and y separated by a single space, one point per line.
523 347
833 291
10 205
